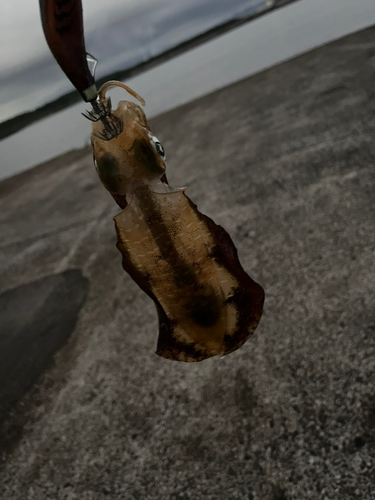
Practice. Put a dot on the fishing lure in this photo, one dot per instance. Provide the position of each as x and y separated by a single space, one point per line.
207 305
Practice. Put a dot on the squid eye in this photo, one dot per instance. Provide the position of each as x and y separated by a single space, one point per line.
158 146
160 149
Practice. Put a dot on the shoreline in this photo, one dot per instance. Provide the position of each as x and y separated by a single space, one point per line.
19 122
274 39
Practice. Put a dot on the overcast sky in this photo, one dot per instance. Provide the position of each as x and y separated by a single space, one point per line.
119 33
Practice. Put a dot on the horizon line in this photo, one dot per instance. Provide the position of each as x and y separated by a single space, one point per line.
21 121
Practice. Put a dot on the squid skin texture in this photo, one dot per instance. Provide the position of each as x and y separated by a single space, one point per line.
206 303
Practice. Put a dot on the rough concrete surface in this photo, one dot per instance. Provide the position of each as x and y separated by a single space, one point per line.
285 162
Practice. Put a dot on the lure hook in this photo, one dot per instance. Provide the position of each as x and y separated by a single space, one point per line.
102 107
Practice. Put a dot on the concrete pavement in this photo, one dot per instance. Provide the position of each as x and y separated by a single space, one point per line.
285 162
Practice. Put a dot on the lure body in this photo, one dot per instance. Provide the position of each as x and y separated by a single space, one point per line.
206 303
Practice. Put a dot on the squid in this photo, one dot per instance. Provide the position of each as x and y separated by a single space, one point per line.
206 303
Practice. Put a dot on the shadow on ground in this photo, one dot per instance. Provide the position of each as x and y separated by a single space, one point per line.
37 319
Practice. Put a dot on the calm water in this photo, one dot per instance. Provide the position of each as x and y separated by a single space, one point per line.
249 49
